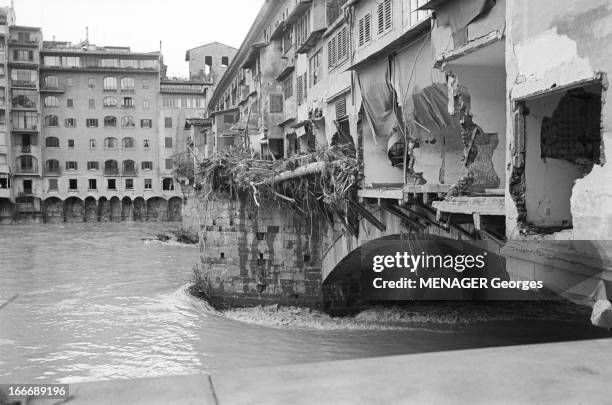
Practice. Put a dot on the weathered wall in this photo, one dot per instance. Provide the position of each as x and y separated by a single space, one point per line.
259 255
556 44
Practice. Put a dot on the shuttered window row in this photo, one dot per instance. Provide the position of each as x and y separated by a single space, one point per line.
337 48
384 14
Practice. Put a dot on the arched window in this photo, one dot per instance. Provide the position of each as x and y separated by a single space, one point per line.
129 167
127 84
110 83
51 101
51 121
52 166
128 143
51 82
27 164
111 167
110 143
52 142
110 102
128 122
167 184
110 121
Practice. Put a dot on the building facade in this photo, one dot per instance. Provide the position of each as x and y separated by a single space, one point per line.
90 133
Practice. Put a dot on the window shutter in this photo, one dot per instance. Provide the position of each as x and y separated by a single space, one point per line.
340 109
305 86
367 28
300 89
67 165
276 103
380 12
388 14
361 24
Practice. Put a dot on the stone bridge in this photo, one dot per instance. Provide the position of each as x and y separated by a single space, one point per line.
269 254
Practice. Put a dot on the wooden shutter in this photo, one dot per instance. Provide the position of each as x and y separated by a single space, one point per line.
340 109
300 89
276 103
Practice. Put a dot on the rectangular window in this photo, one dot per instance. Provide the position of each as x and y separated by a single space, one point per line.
128 102
92 143
92 103
94 165
384 12
71 165
146 104
70 122
93 184
73 184
147 143
224 61
315 68
276 103
147 165
53 185
169 164
168 122
71 143
288 87
92 122
111 184
148 184
337 48
70 103
91 83
146 123
145 83
365 30
129 184
168 142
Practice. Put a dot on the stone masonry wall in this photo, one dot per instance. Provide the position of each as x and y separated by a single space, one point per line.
256 255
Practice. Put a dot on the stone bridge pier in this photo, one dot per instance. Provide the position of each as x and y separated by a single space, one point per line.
269 254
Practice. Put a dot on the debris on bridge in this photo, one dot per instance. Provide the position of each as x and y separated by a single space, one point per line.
321 182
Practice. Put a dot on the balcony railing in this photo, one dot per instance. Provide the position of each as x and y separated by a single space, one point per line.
111 171
130 172
23 83
53 171
26 207
26 170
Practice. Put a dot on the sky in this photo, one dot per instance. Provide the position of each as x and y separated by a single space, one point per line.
142 24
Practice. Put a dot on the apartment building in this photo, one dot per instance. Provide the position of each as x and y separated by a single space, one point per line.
209 62
7 19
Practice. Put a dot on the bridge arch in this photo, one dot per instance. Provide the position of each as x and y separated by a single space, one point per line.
115 209
140 209
127 209
175 209
91 209
74 209
53 210
157 209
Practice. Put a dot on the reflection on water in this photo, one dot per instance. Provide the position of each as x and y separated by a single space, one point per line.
95 302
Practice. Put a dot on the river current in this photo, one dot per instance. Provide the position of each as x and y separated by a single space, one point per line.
96 302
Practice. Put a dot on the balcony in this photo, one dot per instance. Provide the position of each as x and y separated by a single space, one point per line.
24 127
53 172
23 42
49 89
28 84
130 172
111 171
31 170
26 207
27 150
300 8
311 41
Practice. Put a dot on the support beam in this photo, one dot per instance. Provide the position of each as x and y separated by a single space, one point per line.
369 217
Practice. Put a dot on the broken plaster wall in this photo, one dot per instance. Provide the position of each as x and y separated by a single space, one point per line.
486 86
555 45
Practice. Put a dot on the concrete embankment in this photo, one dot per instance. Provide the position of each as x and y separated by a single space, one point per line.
559 373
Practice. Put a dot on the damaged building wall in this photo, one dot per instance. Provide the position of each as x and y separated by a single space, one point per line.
554 161
486 86
561 45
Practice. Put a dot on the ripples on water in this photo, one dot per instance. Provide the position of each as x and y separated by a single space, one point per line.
95 302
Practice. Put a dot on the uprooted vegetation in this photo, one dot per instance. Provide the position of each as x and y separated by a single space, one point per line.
320 183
